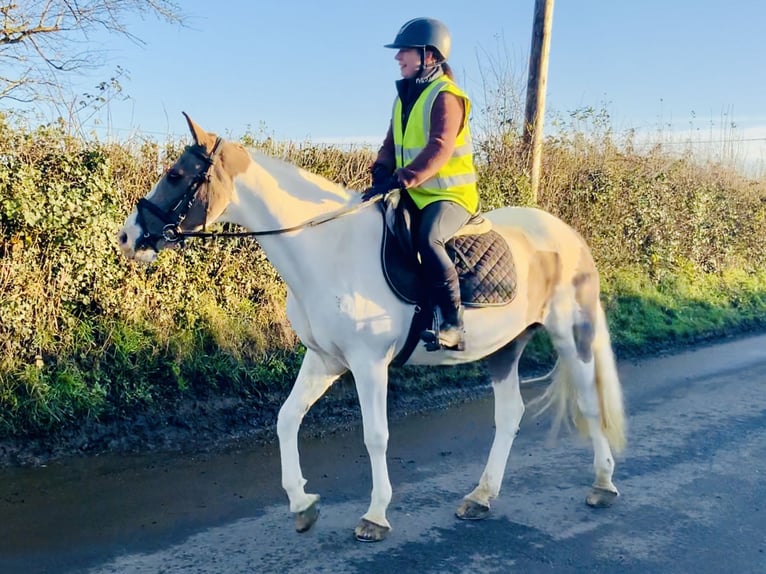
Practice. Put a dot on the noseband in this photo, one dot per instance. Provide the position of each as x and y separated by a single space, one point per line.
173 217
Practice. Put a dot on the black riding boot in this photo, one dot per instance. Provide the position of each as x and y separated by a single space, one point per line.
450 334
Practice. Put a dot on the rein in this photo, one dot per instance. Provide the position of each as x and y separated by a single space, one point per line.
181 235
172 219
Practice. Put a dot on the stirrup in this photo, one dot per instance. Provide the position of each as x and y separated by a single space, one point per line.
435 342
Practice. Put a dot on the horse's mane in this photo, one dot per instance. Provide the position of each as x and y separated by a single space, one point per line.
285 171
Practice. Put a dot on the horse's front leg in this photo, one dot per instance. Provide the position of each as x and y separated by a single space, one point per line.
316 375
372 387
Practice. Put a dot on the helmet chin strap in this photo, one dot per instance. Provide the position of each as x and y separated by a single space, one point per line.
423 70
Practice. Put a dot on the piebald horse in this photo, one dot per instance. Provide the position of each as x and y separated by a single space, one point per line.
325 244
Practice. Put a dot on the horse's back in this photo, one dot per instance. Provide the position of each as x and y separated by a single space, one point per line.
542 229
556 255
541 232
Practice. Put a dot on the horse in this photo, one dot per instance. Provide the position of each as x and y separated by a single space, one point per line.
322 239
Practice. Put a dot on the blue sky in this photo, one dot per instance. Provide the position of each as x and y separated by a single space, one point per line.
316 70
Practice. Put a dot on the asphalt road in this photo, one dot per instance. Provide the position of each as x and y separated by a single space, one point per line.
692 482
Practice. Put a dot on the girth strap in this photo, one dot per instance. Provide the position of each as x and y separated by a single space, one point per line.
420 322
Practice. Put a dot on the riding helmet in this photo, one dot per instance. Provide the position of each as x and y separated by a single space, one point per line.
424 33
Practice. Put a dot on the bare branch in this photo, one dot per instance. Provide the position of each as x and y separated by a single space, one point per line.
40 35
15 35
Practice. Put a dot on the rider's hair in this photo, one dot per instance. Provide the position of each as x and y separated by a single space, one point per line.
448 71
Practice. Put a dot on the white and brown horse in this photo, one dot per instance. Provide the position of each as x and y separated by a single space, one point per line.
325 244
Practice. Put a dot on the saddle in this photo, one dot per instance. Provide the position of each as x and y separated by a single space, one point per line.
482 259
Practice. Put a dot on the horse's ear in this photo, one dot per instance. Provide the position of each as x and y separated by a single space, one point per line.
201 137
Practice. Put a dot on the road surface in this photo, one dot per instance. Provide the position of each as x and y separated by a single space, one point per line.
692 483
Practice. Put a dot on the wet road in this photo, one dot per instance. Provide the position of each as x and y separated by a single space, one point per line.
692 483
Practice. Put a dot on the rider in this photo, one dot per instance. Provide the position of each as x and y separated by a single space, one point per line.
428 152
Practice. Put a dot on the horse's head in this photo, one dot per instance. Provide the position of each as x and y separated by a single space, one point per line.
194 192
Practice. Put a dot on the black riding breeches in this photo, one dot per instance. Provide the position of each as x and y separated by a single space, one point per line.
437 222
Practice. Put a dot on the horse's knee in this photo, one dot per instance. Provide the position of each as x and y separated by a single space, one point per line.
376 441
288 421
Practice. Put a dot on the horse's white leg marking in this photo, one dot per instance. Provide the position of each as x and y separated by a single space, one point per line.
572 333
584 379
509 408
316 375
371 380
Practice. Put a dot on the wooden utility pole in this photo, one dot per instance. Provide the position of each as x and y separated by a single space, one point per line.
536 86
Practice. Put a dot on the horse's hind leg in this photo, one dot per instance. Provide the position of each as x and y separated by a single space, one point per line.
581 340
582 374
509 408
314 378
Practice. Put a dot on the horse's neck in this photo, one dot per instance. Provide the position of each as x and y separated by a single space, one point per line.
273 195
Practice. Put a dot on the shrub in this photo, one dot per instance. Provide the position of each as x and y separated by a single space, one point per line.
85 334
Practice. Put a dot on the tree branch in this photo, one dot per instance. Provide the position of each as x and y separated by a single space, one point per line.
39 33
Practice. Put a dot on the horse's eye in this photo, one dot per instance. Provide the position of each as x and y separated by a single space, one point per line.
173 175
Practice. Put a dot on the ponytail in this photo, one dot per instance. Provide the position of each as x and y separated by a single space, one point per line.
448 71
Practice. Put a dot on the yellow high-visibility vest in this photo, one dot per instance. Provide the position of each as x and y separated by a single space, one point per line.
456 180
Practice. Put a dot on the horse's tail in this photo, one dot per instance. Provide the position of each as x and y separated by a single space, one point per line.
608 385
561 395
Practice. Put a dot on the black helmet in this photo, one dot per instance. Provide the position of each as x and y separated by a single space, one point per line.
424 33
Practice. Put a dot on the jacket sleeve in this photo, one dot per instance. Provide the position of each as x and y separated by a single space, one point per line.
447 116
386 152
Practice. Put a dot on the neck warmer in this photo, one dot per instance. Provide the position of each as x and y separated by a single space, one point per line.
409 89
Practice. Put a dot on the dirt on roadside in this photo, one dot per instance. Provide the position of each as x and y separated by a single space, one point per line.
203 425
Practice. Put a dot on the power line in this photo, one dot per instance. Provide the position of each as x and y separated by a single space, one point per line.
687 142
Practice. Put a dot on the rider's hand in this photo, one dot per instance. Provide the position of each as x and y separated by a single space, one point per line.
389 183
380 173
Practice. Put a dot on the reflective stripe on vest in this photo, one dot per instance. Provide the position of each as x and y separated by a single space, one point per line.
456 180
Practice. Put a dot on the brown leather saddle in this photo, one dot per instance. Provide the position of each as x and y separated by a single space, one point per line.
482 259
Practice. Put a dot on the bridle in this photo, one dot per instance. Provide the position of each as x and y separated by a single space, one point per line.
173 218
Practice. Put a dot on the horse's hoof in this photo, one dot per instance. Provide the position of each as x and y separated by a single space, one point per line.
601 497
471 510
305 519
367 531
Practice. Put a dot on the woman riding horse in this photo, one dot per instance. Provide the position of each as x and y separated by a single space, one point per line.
428 152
